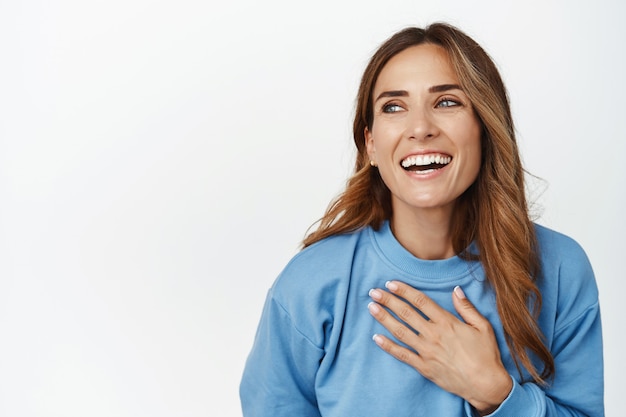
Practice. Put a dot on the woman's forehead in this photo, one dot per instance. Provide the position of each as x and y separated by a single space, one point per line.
423 66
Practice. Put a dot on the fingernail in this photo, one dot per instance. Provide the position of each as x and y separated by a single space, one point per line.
391 286
373 308
459 293
379 340
375 294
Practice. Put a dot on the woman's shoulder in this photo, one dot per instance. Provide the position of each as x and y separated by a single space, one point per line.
313 286
561 247
329 252
566 270
326 263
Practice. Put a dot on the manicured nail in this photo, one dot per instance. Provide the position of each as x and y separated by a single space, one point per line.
373 308
379 340
391 286
459 293
375 294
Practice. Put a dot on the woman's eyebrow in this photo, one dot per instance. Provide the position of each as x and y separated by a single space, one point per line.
394 93
444 87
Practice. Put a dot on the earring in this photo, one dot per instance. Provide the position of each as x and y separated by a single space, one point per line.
374 164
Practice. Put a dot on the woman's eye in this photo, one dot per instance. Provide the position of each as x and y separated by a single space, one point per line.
392 108
446 102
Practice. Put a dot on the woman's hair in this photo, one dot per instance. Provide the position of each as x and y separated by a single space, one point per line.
492 212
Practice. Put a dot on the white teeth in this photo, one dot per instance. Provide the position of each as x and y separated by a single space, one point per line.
424 172
421 160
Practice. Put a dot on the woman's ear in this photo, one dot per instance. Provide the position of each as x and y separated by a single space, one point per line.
369 145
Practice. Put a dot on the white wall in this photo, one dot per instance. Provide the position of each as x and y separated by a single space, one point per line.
161 160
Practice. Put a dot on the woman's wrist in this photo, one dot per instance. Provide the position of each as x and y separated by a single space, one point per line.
499 390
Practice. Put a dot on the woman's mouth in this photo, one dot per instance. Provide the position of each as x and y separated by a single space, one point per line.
425 163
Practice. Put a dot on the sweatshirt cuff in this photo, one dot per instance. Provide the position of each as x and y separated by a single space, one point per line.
518 399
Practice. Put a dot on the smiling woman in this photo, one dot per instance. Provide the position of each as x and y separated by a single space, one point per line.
493 314
421 116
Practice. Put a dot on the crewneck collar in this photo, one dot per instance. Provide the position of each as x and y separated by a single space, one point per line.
398 257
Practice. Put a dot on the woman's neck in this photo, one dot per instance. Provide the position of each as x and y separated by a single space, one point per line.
425 234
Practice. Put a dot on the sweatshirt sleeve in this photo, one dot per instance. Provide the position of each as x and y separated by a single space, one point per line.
279 376
577 389
575 341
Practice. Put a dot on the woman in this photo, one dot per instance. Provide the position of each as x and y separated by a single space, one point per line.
473 309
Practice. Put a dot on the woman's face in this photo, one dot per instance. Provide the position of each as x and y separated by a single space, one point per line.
425 137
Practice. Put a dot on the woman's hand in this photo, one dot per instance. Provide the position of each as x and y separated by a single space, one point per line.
461 357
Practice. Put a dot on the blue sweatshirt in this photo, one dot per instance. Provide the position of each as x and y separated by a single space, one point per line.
313 353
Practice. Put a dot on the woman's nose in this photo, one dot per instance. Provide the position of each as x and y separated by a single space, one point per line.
421 125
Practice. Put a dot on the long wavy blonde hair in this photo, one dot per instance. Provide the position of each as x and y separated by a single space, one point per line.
492 212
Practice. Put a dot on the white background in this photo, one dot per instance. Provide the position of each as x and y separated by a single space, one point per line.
160 162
